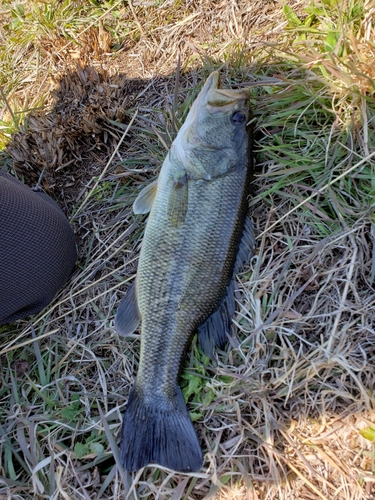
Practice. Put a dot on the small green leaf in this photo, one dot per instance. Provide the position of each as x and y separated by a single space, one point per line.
96 448
368 433
291 16
194 386
331 40
81 450
208 398
195 416
68 413
315 9
224 479
309 20
71 411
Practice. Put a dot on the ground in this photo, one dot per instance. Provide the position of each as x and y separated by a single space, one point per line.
92 94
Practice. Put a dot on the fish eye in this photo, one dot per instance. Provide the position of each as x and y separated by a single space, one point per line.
238 118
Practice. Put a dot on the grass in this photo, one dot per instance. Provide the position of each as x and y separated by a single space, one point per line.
287 409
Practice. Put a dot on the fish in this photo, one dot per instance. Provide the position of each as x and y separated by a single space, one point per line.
197 237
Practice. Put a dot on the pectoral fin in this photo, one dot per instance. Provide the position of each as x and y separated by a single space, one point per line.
145 199
127 316
178 201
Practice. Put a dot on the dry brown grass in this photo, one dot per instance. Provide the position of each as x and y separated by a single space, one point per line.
280 412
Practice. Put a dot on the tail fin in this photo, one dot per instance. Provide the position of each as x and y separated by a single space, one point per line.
159 430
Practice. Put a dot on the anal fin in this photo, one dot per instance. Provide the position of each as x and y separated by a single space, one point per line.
127 316
247 246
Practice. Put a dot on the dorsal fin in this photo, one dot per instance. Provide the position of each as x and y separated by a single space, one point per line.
216 329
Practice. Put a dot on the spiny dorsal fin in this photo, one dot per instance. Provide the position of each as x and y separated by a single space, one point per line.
127 316
247 246
145 199
216 329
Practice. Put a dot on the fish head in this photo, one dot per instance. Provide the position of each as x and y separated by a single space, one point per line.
214 136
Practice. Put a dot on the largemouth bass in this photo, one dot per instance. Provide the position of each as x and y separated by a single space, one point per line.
190 252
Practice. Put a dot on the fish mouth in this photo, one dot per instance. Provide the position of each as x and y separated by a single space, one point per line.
215 98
